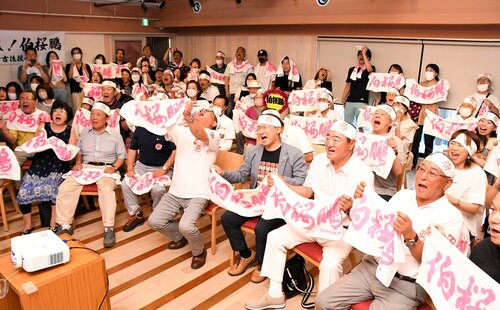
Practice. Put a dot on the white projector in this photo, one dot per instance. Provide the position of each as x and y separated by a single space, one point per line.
38 251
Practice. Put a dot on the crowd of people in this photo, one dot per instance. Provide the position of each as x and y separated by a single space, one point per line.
451 190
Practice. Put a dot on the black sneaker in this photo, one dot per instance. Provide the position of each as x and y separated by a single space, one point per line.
133 222
60 230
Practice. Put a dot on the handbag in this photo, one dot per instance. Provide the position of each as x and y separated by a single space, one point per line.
297 280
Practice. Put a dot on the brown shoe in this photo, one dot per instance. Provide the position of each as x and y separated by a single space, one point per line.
241 265
256 277
198 261
178 245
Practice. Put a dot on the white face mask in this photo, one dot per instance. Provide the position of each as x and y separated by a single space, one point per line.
465 112
12 96
77 56
394 72
323 105
33 86
136 78
252 95
219 62
42 95
98 61
483 87
429 76
192 92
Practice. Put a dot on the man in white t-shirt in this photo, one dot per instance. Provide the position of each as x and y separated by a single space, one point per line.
417 209
208 91
485 100
265 71
333 173
197 144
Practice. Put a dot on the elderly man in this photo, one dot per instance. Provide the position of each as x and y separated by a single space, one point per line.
30 68
208 91
333 173
226 130
23 127
416 210
197 145
100 148
156 155
265 71
272 156
220 67
109 91
235 76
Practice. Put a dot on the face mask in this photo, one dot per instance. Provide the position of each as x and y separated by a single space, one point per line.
42 95
323 105
429 76
192 92
394 72
262 60
77 56
252 95
483 87
98 61
219 62
33 86
12 96
136 78
465 112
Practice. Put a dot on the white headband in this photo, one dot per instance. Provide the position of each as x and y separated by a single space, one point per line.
443 162
388 109
471 149
403 100
470 100
326 94
268 120
204 76
492 117
220 54
88 101
392 90
344 128
109 83
101 106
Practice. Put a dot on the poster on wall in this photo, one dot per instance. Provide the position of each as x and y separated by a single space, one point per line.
13 44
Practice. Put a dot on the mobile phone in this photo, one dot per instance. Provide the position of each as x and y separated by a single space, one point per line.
33 61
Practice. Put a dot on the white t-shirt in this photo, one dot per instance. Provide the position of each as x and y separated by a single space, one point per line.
193 160
265 77
469 185
295 136
211 93
236 77
226 129
438 212
480 98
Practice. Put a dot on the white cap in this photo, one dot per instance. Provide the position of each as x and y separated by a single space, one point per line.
270 117
169 72
486 75
462 140
253 84
492 117
344 128
443 162
387 109
403 100
326 94
110 84
204 76
470 100
136 70
220 54
393 91
88 101
101 106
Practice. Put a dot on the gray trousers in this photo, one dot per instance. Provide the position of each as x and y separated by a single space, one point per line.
361 284
162 220
131 199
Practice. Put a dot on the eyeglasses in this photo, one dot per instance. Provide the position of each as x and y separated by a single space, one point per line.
61 110
432 174
25 99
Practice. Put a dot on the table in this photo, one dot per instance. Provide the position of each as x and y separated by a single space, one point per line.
78 284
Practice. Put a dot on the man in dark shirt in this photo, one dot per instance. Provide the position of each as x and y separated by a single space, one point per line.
486 254
355 94
157 156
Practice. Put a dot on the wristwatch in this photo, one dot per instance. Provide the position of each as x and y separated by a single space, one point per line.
164 168
412 242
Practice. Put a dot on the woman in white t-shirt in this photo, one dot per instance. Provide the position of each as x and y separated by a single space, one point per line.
485 100
468 190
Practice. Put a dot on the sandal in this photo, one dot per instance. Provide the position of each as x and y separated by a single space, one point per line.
26 231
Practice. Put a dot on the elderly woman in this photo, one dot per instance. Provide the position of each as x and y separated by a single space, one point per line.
319 80
468 190
41 181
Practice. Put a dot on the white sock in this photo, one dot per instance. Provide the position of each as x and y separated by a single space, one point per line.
65 226
275 290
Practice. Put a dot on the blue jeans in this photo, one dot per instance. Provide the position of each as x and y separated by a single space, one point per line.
351 111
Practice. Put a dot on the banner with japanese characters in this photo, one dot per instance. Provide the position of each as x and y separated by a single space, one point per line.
248 126
142 184
304 100
244 202
452 280
492 164
13 45
20 121
439 127
88 176
375 152
371 231
40 143
7 107
9 167
381 82
316 128
107 71
313 218
93 90
82 120
427 95
365 117
215 77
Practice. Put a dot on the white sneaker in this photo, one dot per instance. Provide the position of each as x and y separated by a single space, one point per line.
266 302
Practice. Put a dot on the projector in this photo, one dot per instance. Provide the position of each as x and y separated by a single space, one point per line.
38 251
